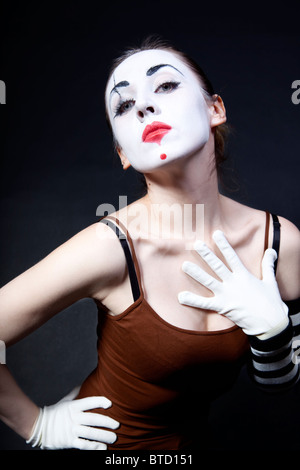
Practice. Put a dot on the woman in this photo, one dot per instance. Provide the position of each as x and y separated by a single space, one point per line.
177 316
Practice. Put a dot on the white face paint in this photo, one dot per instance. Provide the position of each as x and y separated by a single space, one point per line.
156 86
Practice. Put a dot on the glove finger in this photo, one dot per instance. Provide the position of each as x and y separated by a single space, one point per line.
227 251
212 260
84 444
71 395
91 403
96 434
98 420
193 300
200 275
267 265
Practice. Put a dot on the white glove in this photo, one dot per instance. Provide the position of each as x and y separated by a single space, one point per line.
254 305
66 425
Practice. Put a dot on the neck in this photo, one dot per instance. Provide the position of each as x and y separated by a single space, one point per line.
185 194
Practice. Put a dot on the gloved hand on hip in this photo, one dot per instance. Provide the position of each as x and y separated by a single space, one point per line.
67 424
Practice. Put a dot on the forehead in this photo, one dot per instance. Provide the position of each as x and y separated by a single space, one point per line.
136 66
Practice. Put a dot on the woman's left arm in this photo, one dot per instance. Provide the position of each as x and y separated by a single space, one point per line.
275 360
288 267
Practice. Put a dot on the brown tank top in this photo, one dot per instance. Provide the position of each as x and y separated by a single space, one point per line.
160 378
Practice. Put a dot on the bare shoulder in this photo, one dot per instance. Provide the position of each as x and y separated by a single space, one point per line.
250 223
241 213
100 256
246 222
90 262
290 233
288 271
84 264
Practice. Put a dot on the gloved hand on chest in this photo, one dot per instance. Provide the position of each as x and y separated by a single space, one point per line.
255 305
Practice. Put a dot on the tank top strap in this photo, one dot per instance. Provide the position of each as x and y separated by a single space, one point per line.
267 230
129 251
276 235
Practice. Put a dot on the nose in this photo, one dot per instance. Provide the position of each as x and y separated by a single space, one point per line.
146 108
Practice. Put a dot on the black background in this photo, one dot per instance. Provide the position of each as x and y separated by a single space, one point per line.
58 165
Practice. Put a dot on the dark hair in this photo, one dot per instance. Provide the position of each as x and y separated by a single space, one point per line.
152 42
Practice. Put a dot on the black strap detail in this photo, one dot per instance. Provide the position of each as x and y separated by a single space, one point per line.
276 238
130 265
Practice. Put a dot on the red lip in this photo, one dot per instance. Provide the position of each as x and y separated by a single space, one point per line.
155 132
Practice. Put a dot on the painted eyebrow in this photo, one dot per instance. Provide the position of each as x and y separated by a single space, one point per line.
119 85
149 73
155 68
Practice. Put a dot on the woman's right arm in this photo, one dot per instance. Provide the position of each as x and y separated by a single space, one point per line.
81 267
16 409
